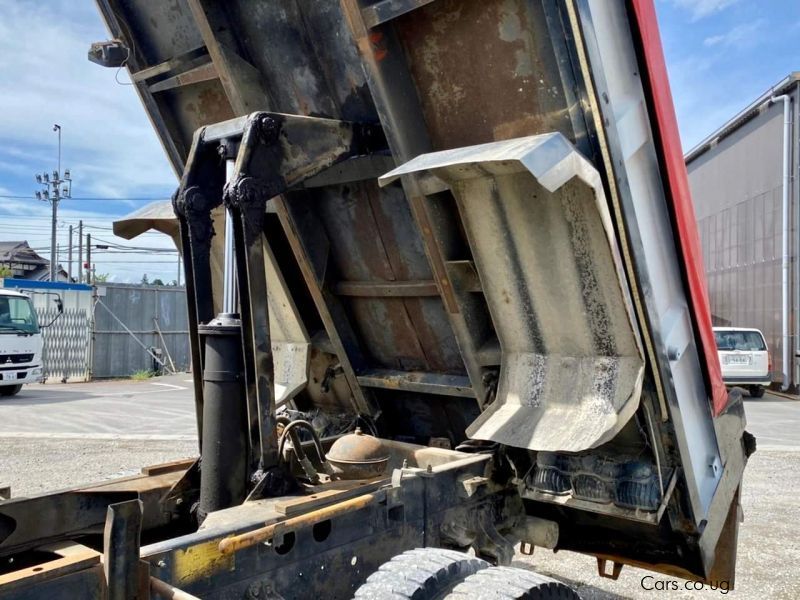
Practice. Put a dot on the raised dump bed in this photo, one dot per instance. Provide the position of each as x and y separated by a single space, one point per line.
462 227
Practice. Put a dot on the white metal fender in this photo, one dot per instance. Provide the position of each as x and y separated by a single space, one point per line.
545 250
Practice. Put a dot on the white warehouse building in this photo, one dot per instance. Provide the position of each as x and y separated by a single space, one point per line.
744 180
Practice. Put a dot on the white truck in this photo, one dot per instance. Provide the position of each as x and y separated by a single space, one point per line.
20 342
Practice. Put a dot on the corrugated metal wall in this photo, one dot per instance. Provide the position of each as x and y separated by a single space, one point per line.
116 352
737 187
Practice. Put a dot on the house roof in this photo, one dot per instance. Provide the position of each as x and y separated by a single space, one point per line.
20 252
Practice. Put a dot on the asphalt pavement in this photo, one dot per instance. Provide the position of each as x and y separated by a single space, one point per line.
56 436
156 408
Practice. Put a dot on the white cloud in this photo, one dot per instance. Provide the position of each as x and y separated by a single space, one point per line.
703 8
108 143
45 78
742 36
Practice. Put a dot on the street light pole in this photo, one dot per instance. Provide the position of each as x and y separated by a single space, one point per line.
53 255
80 251
69 256
58 192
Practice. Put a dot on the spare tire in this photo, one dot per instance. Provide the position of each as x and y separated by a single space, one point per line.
420 574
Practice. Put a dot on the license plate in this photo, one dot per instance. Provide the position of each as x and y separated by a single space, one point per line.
737 360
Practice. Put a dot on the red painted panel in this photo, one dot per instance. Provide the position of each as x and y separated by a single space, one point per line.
678 193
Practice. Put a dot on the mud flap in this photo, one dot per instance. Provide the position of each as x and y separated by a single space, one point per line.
540 231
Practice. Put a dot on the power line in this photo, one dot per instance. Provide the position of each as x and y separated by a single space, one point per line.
133 262
118 245
64 223
106 198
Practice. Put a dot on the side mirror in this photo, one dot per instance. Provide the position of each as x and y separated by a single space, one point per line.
59 306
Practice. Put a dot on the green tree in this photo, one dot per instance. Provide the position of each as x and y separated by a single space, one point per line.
157 281
145 280
6 271
101 277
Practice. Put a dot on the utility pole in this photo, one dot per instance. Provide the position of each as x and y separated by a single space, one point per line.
69 256
89 258
58 192
179 269
80 251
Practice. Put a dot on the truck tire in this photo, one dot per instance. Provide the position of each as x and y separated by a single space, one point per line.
10 390
420 574
756 391
509 583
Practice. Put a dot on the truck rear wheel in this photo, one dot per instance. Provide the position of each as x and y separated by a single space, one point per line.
756 391
10 390
501 583
420 574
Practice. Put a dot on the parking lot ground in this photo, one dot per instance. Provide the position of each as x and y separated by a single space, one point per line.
160 407
58 436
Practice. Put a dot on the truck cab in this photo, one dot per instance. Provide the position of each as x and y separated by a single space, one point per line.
20 343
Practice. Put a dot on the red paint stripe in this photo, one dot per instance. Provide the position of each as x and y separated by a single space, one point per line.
678 194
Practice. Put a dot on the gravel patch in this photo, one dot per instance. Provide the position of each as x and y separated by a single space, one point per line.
33 466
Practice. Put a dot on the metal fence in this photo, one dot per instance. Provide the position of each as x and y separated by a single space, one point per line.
110 331
128 319
67 342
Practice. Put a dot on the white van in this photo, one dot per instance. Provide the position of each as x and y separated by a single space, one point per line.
745 359
20 342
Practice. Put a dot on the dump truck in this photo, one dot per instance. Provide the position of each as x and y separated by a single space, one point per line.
446 304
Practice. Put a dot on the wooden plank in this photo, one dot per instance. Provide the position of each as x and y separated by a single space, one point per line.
168 467
330 493
49 570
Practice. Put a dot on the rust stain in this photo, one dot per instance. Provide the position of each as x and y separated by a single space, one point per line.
379 50
483 71
406 255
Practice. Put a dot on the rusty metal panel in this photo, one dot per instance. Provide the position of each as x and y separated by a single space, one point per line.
373 239
484 71
162 28
546 253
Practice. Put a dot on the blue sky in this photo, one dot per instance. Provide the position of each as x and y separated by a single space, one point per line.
721 54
